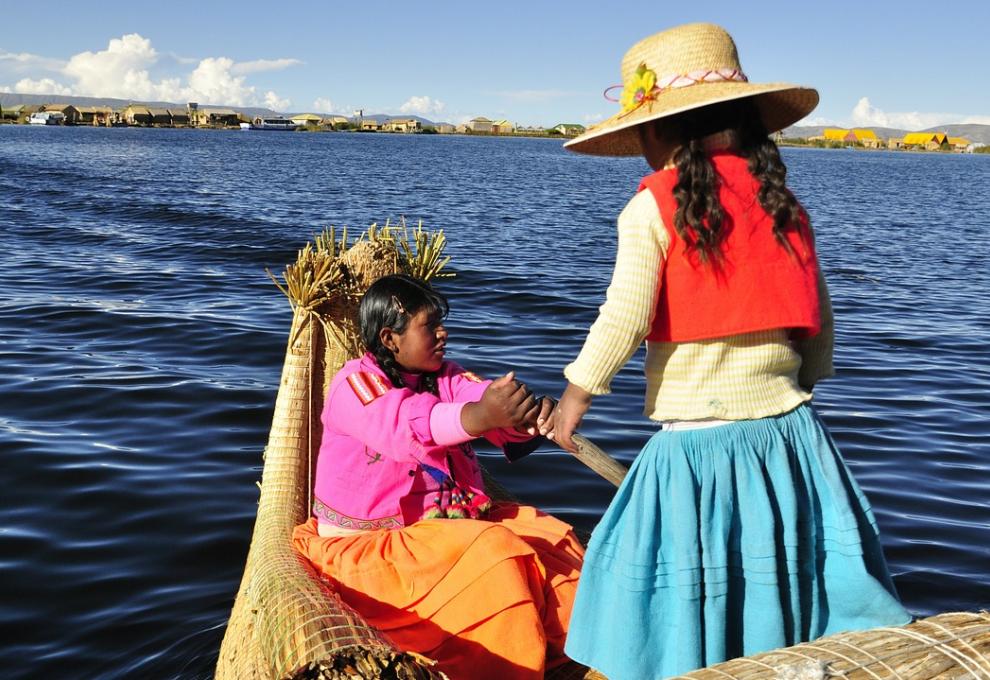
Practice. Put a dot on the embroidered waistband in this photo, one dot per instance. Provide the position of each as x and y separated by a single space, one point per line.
324 513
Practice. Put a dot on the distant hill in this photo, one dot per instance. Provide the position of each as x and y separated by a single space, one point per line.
8 99
973 132
13 99
806 131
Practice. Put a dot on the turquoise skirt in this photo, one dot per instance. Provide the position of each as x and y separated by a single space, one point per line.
728 541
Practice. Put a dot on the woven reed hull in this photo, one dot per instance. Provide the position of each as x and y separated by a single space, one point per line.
286 620
950 645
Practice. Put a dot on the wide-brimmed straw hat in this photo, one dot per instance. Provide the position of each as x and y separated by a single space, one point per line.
685 68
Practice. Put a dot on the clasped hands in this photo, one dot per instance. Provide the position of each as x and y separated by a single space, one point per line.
508 402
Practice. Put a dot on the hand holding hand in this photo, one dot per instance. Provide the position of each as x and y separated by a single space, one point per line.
505 403
566 418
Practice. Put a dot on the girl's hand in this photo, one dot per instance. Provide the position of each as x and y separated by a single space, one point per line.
566 418
547 406
505 403
536 416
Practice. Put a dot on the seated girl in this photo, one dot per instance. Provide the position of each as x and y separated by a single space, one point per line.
402 524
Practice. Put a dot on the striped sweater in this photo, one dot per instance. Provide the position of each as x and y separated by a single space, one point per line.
753 375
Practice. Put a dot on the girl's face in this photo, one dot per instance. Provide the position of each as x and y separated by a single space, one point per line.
421 347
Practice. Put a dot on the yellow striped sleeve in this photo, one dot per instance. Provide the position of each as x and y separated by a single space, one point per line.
625 317
816 352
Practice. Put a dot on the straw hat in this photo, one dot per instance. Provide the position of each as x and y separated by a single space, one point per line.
685 68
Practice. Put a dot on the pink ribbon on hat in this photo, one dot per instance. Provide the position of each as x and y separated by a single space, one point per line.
703 76
678 80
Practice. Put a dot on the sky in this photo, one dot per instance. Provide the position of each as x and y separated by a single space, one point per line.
907 65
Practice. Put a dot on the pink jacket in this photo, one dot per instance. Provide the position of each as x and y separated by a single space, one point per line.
391 456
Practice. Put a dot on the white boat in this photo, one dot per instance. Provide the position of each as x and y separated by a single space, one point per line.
245 126
47 118
278 123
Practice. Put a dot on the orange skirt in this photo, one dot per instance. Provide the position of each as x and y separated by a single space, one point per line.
484 598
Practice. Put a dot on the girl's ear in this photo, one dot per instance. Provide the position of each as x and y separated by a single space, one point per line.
386 335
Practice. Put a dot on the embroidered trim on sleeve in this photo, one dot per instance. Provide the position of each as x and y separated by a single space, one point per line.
472 377
367 386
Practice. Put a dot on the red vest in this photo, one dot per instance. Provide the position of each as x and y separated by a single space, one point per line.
755 285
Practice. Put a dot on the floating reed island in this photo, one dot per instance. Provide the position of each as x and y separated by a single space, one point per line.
288 622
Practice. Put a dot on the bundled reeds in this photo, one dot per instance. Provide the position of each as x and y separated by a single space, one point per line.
286 620
948 646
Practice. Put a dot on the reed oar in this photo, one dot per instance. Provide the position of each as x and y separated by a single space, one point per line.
598 460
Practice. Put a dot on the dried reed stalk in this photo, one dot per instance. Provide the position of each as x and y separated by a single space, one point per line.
950 645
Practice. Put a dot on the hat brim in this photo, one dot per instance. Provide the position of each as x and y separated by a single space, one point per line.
780 105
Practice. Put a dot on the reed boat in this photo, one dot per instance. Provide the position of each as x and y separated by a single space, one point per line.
288 622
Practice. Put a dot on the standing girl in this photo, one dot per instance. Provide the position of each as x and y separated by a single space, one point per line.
402 523
738 528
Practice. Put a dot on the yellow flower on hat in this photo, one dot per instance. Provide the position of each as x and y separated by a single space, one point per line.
639 87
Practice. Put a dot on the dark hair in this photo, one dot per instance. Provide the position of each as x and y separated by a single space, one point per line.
699 215
390 302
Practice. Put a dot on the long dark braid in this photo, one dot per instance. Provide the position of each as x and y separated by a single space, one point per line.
390 302
699 217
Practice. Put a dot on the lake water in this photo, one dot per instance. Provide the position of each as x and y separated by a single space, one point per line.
141 343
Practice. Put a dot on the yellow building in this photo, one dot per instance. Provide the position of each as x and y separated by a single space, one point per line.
959 143
402 125
867 138
931 141
335 122
479 124
503 127
835 134
307 119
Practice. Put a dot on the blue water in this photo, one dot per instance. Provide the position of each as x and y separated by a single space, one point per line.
141 343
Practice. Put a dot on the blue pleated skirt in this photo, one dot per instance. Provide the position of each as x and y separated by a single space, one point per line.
725 542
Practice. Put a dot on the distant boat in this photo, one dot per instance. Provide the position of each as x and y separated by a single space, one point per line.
47 118
279 123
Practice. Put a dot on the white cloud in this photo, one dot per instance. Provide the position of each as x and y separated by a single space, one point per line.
816 121
424 106
122 70
23 63
592 117
865 114
213 81
323 105
118 71
259 65
275 103
43 86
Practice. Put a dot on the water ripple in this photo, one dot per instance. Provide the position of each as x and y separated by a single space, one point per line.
142 344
